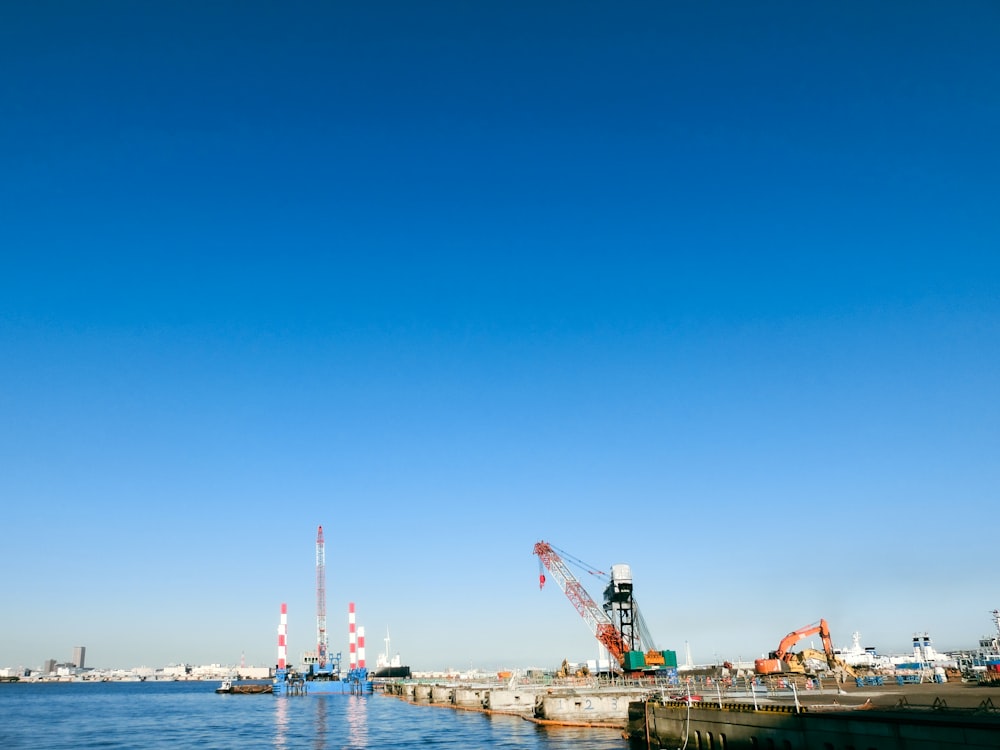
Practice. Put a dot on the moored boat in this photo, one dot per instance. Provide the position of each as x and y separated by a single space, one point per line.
232 687
387 667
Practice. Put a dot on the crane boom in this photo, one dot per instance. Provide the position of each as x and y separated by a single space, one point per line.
600 624
321 636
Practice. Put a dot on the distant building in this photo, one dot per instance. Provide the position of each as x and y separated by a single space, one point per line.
254 673
79 654
49 666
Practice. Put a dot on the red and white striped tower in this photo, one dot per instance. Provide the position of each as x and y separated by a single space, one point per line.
282 635
361 646
352 638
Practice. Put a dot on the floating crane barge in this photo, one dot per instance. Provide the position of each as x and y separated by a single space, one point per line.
323 675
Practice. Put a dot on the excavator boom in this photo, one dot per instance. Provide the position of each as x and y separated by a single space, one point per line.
783 660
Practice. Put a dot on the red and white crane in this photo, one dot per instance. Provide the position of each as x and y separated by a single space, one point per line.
322 644
600 624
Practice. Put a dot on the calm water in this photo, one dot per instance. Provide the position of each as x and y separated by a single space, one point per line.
190 714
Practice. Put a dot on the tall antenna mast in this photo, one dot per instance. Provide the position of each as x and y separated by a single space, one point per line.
321 638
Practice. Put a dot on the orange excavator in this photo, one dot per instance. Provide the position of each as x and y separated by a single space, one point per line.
784 660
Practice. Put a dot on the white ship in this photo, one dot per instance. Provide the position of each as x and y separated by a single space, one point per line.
391 667
975 662
990 644
925 654
856 656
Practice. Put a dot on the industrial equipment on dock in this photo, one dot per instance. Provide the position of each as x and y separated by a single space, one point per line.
619 625
783 659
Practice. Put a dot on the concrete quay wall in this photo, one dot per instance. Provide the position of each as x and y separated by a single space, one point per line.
442 693
511 700
598 706
470 697
475 697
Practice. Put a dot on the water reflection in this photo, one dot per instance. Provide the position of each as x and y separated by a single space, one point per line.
357 721
280 723
320 740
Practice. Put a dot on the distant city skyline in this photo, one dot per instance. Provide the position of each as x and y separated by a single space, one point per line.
709 289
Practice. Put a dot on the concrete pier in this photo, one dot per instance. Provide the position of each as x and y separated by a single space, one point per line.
442 693
595 706
511 700
578 705
936 717
470 697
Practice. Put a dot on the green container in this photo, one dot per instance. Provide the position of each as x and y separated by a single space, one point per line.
669 658
634 660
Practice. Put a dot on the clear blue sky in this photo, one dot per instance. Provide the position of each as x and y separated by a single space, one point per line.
709 288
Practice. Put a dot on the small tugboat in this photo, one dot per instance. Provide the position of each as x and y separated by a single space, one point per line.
231 687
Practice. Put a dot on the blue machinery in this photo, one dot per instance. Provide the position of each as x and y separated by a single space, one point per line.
354 682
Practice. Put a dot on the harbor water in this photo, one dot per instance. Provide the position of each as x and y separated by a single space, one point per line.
160 715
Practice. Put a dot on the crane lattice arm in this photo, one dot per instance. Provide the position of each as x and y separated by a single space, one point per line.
322 642
600 624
